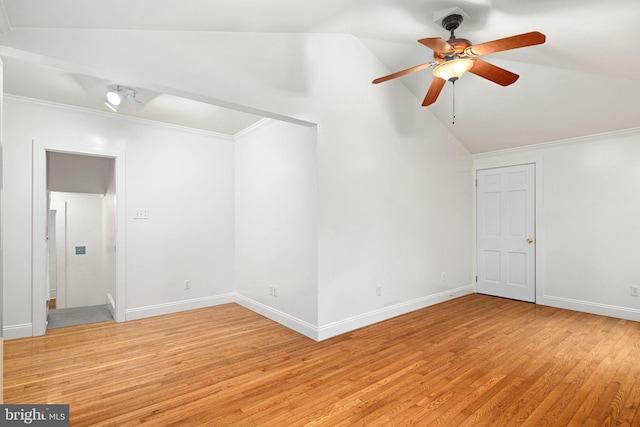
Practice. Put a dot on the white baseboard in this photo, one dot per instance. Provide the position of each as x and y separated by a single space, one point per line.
177 306
591 307
333 329
12 332
111 305
300 326
317 333
366 319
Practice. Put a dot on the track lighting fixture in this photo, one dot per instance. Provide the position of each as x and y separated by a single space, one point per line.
117 94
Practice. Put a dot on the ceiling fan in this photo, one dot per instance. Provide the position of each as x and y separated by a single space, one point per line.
456 56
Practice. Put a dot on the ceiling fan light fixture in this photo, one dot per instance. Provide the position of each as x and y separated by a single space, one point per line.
453 69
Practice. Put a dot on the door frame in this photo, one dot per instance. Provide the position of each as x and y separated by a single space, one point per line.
60 255
480 162
39 224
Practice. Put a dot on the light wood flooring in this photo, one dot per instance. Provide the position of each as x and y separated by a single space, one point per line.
472 361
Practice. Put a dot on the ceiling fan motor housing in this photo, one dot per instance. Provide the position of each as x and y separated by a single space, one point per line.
452 22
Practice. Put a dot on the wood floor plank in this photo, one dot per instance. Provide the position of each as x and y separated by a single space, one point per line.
472 361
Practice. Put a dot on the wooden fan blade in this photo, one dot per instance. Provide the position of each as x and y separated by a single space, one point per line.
513 42
493 73
434 90
437 45
402 73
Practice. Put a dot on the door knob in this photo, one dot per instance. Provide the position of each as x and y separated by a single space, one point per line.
529 240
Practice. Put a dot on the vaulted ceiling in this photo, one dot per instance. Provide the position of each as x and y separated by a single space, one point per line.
584 80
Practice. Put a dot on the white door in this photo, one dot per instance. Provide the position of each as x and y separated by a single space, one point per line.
506 232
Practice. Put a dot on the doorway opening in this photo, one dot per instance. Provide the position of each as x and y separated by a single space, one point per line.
81 239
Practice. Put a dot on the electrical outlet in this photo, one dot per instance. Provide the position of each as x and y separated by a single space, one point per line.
379 290
442 276
187 285
275 291
635 290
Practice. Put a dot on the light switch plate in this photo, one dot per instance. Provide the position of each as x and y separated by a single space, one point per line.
141 214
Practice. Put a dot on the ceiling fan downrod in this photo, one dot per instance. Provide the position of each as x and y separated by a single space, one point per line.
451 23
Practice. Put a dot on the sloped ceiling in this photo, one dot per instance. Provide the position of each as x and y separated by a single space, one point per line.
584 80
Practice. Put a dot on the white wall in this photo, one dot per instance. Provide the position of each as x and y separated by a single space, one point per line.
587 221
16 225
277 222
184 178
84 285
395 212
1 236
394 196
185 181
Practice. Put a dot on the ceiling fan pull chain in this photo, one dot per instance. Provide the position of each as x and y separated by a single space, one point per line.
453 122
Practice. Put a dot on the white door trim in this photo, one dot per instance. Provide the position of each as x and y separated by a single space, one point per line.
39 221
490 163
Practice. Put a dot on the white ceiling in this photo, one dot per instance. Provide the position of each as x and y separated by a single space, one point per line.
584 80
37 81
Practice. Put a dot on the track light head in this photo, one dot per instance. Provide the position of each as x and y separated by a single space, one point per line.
118 93
115 97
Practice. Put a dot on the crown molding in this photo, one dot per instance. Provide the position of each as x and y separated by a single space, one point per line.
244 132
569 141
115 116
